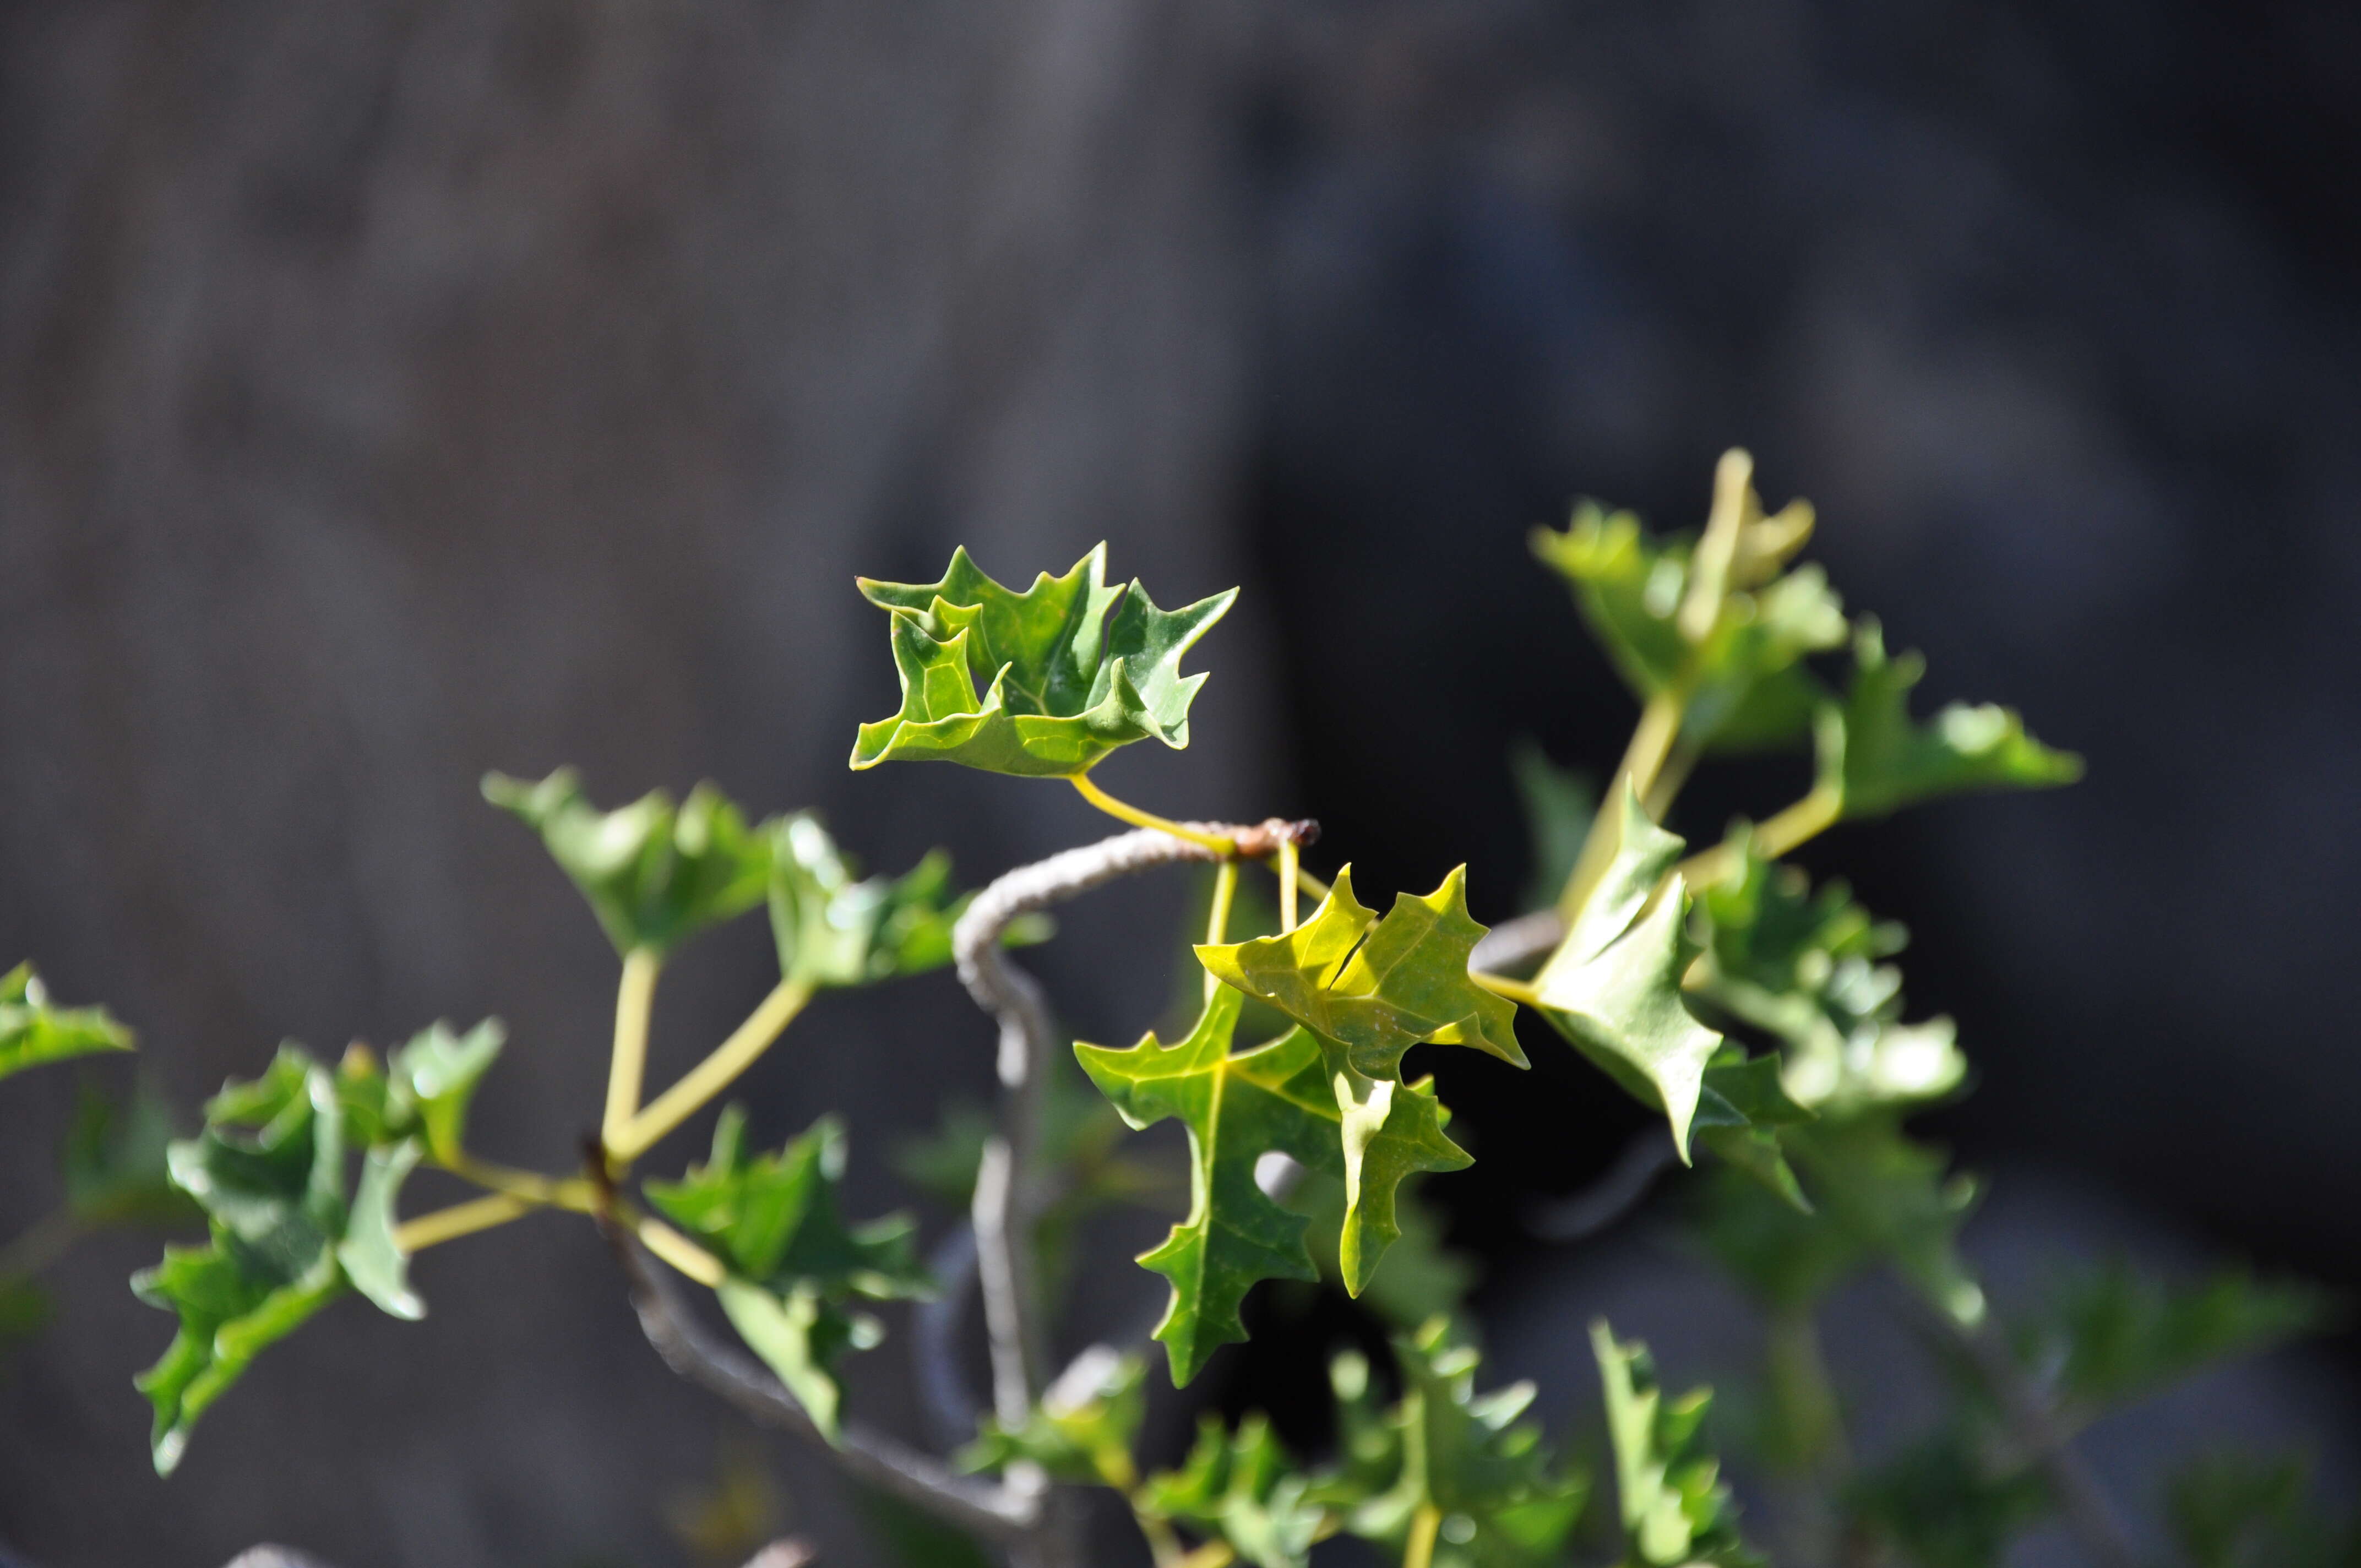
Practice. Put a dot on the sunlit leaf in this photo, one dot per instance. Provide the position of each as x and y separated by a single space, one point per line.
1444 1447
1675 1507
1880 759
33 1030
1613 987
1741 1107
655 873
1084 1428
1277 1098
834 928
432 1078
797 1268
1418 1278
1069 670
1243 1489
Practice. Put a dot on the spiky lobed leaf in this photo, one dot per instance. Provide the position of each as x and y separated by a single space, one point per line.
1069 670
2114 1334
1243 1489
1467 1457
33 1031
1878 759
1082 1431
1613 986
655 873
1277 1098
795 1267
834 928
1674 1508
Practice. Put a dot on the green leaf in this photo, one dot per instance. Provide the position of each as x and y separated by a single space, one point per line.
1372 989
1675 1507
25 1310
1277 1098
1463 1455
33 1031
796 1267
433 1080
1741 662
2243 1511
1559 804
1243 1489
1613 987
269 1171
1947 1501
1063 681
1741 1105
1082 1431
115 1160
1880 759
833 929
1803 964
655 874
1419 1277
2116 1335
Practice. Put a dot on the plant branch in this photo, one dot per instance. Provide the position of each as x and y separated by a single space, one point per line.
1288 867
2089 1515
1515 943
634 1000
39 1244
1217 922
709 1078
459 1220
977 1506
1787 828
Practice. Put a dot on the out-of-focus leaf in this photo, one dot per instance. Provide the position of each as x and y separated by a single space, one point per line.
2244 1510
1674 1508
655 874
1613 987
1444 1447
33 1030
796 1267
115 1160
269 1171
1064 682
1879 759
834 928
1741 1107
1243 1489
1718 618
1082 1429
2116 1335
25 1310
912 1538
1948 1502
432 1081
1277 1098
1559 804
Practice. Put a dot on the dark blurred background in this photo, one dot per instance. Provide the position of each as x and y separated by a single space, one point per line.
388 392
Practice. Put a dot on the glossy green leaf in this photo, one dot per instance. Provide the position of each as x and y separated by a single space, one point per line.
1277 1098
1741 1107
1947 1501
1444 1447
1738 654
1880 759
2247 1510
1613 987
432 1081
835 928
1243 1489
1372 988
655 874
2116 1335
776 1222
115 1161
1069 670
1675 1507
1084 1428
269 1171
1419 1278
33 1030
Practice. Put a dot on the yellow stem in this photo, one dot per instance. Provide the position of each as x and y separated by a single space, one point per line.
1310 884
1419 1552
1785 829
1288 870
1217 924
1163 1546
681 1253
1669 779
1212 1554
1652 742
710 1076
531 1187
459 1220
1501 985
1123 811
635 999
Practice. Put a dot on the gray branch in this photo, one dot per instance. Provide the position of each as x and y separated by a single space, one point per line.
1515 943
981 1507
